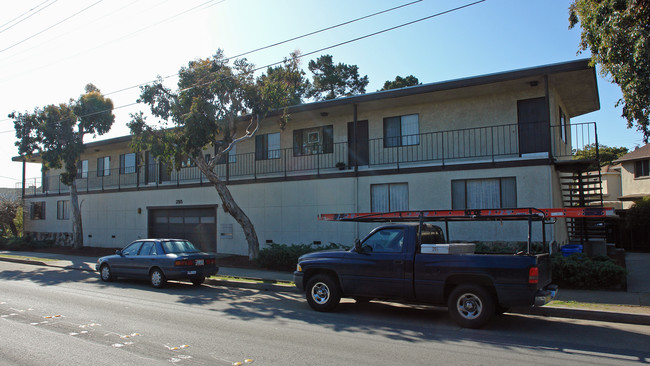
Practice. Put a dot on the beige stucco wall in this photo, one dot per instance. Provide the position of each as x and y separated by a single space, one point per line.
631 185
286 212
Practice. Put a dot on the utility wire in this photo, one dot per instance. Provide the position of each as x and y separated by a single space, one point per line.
281 42
22 20
319 50
50 27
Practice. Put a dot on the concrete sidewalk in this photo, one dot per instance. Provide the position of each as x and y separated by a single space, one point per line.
631 307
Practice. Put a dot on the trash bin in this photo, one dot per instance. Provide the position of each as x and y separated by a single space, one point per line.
567 250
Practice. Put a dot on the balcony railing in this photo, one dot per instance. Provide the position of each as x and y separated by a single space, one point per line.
482 144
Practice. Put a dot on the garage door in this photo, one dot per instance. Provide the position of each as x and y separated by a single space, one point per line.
198 225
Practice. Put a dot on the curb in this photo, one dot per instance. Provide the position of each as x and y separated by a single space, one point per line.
252 285
585 314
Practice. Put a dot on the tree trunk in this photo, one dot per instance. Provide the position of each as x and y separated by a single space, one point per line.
14 229
232 208
77 228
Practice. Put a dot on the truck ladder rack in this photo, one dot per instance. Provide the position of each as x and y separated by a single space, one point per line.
535 214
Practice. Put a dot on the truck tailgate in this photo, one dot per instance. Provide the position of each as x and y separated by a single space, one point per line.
545 271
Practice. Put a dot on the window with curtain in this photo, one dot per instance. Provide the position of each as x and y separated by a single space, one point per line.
104 166
127 163
402 131
267 146
37 211
642 168
389 197
317 140
489 193
82 167
62 210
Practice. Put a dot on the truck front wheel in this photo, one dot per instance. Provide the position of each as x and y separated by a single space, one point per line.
322 293
471 306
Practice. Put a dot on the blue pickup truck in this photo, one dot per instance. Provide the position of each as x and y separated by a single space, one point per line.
404 263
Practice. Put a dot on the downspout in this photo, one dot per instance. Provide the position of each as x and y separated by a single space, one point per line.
356 166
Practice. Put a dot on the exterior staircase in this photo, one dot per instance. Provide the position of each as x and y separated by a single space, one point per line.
583 189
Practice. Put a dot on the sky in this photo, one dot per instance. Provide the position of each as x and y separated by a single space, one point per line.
50 49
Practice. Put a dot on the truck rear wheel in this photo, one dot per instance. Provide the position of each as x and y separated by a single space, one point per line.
322 293
471 306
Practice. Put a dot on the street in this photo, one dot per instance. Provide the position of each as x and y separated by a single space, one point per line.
51 316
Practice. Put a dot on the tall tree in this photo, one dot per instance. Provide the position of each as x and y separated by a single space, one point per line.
401 82
606 154
332 81
9 206
618 36
56 133
216 104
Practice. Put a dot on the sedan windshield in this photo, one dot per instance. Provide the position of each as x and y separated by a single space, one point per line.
180 246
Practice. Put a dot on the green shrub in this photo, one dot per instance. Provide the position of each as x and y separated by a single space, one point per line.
24 243
581 272
285 257
507 248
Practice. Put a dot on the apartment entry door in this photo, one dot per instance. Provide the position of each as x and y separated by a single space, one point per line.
534 128
358 153
196 224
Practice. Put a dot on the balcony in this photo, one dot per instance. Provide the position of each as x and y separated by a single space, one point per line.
444 148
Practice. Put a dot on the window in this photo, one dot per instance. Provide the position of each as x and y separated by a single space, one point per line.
63 210
385 241
232 156
389 197
318 140
147 246
187 163
83 169
127 163
563 126
104 166
401 131
37 211
483 193
267 146
642 168
132 249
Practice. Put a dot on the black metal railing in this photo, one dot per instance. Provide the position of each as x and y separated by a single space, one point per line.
488 143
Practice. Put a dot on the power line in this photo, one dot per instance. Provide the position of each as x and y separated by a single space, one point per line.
22 20
320 50
50 27
281 42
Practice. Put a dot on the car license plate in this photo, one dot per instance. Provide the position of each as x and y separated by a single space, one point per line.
191 272
199 262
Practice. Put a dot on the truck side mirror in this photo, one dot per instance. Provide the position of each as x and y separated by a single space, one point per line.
357 246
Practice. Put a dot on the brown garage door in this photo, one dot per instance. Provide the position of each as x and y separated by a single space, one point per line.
198 225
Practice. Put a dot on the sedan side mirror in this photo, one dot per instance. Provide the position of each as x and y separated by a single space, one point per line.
119 252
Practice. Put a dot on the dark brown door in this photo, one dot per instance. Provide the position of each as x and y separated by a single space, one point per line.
358 153
532 118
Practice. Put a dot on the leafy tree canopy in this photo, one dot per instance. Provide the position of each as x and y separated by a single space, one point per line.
606 154
331 81
618 36
401 82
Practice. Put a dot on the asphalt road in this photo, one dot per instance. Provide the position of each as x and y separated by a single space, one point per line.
52 316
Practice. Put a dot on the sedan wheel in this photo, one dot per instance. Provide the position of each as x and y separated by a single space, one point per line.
105 273
157 278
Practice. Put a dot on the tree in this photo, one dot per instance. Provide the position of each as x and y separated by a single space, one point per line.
215 104
9 206
401 82
618 36
332 81
56 133
606 154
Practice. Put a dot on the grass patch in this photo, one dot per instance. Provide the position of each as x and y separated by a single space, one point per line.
38 259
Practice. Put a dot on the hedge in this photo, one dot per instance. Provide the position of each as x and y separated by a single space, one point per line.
284 257
578 271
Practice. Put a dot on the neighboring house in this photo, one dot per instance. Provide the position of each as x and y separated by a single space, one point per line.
635 175
492 141
610 177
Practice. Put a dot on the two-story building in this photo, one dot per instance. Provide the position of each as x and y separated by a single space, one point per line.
493 141
635 175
